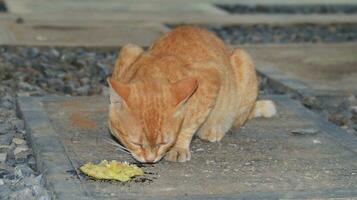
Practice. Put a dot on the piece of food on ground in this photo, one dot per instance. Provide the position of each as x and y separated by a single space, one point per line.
112 170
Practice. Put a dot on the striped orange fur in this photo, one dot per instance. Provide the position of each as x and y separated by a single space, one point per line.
188 82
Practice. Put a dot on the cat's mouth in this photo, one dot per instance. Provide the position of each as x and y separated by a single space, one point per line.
118 145
147 160
158 159
115 141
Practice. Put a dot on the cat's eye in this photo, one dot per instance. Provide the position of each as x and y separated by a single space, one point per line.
137 144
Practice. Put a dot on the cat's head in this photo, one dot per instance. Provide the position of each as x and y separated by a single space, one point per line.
146 117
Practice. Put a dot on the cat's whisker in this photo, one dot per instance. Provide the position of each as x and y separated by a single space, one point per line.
120 146
123 150
112 142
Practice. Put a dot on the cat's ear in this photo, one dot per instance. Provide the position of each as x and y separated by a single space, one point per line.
183 89
119 92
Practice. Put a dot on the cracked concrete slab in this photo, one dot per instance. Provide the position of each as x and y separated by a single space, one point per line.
265 159
309 67
111 6
68 33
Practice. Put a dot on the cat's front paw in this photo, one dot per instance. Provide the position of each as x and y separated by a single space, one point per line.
178 154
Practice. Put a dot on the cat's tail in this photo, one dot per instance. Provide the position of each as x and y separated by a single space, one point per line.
263 108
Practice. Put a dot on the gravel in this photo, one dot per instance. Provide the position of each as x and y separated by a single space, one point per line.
298 33
337 109
18 176
3 157
289 9
37 72
3 7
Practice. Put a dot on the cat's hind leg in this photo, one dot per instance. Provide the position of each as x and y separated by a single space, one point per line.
236 99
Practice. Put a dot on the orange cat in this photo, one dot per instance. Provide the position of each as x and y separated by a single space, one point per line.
188 82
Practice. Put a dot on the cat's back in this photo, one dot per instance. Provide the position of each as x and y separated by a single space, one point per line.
191 43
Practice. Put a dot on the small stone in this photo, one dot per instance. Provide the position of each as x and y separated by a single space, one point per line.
33 52
19 20
54 53
19 161
18 141
304 131
56 83
49 73
6 139
18 124
354 110
68 56
340 119
23 170
105 70
7 97
351 98
24 194
10 177
345 127
3 157
32 180
312 103
79 64
4 173
232 145
85 80
4 128
20 149
83 90
316 141
26 87
45 197
40 180
2 182
23 94
7 104
4 148
5 191
22 157
69 88
106 91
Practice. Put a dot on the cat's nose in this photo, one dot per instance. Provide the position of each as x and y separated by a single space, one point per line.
150 161
150 158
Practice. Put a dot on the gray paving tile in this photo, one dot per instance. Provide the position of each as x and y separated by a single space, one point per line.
112 6
78 34
329 68
262 160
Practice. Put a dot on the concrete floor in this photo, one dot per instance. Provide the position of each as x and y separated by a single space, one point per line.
264 158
